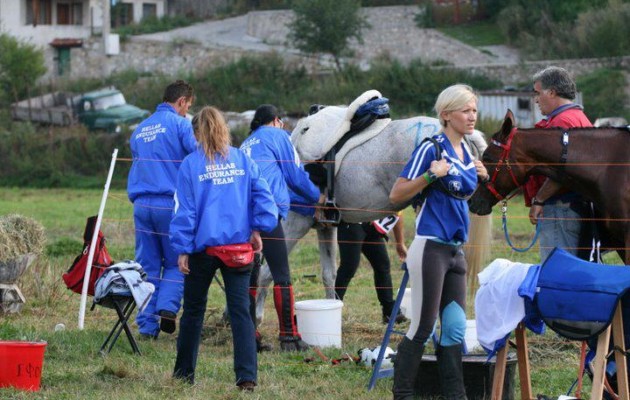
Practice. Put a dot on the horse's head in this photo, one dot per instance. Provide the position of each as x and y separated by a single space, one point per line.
311 133
505 175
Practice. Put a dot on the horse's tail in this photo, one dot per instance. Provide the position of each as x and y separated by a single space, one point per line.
477 249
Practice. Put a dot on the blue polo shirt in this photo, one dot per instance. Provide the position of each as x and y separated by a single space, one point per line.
442 216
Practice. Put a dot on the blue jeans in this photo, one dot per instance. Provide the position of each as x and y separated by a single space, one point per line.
196 285
560 227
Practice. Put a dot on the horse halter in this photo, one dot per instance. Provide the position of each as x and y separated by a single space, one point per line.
504 160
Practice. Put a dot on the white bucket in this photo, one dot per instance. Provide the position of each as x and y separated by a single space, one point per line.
405 304
319 322
470 337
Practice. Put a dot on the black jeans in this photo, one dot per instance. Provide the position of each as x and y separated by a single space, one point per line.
196 284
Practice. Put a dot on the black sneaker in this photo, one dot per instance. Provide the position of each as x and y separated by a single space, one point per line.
146 336
294 344
167 321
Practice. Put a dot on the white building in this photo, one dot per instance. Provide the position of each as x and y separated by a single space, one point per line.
41 21
58 25
495 103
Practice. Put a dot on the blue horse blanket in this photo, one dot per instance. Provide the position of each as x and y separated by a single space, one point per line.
575 298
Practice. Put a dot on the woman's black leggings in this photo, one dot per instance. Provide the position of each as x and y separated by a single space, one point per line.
275 252
353 240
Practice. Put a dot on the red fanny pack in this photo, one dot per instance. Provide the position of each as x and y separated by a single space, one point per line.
233 255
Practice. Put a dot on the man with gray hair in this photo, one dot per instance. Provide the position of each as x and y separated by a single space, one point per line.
558 208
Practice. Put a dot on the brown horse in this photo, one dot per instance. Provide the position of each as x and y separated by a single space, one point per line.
594 162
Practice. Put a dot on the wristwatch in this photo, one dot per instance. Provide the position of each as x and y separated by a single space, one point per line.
536 202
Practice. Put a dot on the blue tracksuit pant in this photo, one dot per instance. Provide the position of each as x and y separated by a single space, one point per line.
152 217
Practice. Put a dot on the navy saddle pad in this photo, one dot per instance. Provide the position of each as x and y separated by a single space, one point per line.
577 298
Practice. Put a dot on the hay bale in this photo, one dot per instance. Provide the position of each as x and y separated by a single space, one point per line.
20 235
21 240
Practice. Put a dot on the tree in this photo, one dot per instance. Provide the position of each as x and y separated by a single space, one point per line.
21 64
327 26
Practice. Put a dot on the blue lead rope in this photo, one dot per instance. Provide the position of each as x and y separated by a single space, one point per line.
507 237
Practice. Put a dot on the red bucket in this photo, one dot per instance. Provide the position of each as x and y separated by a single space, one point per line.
21 364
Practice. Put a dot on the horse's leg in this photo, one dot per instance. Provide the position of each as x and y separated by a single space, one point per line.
295 227
327 237
478 248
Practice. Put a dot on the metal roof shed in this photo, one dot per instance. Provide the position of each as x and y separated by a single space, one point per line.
495 103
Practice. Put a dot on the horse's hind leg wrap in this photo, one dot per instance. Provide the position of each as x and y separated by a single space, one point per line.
264 280
253 289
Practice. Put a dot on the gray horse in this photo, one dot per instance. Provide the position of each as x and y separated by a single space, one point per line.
363 180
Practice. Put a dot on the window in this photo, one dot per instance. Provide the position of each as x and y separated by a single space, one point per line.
113 100
121 14
39 12
77 13
149 10
69 13
524 103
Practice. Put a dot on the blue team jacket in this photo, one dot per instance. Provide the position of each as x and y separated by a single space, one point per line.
158 145
220 203
280 166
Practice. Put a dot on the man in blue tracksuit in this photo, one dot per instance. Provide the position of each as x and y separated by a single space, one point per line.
269 145
158 145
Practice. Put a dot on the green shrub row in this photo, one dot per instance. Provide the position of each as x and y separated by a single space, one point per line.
59 157
73 157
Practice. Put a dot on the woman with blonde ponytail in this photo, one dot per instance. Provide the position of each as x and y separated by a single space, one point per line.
221 205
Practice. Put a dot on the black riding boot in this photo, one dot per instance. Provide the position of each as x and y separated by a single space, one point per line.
450 369
290 338
406 365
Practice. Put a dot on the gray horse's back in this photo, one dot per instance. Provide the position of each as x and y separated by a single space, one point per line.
369 171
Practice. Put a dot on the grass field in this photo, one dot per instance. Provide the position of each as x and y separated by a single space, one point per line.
73 368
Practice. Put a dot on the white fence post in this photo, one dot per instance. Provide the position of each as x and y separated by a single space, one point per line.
97 227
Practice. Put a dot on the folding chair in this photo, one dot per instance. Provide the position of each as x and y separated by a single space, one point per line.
124 305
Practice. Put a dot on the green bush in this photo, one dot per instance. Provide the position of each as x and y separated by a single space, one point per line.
603 33
249 82
58 157
414 88
604 94
327 26
562 29
21 64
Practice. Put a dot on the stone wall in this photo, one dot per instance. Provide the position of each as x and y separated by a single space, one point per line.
171 58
